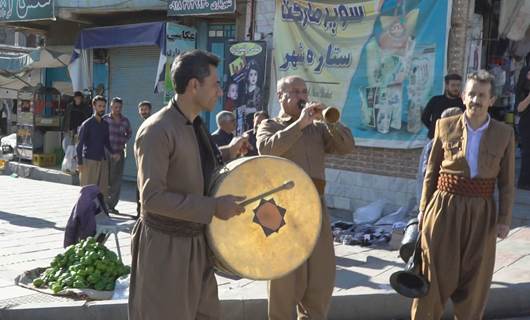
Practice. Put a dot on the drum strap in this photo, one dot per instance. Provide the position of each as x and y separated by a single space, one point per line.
173 227
320 184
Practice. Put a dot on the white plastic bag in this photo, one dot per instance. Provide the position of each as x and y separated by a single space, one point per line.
370 213
121 288
67 141
69 164
393 217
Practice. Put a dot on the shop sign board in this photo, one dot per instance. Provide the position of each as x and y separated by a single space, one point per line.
200 7
26 10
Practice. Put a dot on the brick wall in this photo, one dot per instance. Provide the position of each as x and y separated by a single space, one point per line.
401 163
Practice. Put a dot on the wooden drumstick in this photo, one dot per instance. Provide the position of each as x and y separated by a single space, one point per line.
285 186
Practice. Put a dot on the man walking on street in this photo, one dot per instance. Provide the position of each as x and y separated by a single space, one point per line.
144 110
299 135
119 134
471 154
93 142
171 270
226 124
76 113
437 104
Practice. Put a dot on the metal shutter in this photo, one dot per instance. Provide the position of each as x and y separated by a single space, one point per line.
132 73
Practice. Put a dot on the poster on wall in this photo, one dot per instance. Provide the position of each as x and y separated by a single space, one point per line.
244 88
378 61
179 39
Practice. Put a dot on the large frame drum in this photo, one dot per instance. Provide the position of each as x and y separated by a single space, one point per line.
277 232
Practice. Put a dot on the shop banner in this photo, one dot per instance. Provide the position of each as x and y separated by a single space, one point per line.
379 61
200 7
26 10
244 88
179 39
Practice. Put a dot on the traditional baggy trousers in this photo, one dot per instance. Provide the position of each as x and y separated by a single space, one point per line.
95 172
172 277
310 286
458 244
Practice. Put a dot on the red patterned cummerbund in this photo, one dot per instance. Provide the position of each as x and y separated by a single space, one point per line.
480 188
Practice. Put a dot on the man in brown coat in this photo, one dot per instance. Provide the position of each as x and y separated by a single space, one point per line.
172 275
298 136
470 154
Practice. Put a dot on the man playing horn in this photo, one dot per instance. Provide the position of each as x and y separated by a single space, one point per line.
295 135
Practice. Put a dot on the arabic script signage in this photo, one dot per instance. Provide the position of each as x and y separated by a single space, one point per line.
200 7
26 10
179 39
379 61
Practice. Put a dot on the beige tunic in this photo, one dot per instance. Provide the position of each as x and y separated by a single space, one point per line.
172 276
310 286
459 232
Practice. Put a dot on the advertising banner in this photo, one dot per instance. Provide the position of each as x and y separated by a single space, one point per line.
245 71
378 61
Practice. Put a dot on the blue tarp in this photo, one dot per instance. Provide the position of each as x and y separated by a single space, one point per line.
131 35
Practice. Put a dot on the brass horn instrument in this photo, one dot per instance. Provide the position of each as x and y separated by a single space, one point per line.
410 282
330 114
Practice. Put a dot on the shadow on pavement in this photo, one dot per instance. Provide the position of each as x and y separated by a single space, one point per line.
26 221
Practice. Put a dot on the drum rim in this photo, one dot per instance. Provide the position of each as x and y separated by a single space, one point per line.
223 266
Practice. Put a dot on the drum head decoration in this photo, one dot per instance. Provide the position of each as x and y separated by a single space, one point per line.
277 232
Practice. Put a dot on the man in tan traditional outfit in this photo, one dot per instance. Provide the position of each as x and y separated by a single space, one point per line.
460 223
296 136
172 275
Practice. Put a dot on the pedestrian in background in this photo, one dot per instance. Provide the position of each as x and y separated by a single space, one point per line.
119 133
144 110
226 124
76 113
93 147
437 104
251 134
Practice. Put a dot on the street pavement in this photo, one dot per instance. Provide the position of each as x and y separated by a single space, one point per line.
33 215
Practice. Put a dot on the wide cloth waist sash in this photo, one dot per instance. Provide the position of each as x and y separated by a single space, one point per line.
173 227
479 188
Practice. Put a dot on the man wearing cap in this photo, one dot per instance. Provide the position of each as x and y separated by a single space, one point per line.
77 111
471 155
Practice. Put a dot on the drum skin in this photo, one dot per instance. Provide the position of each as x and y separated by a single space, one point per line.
274 235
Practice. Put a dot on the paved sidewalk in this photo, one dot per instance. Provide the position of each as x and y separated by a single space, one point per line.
32 219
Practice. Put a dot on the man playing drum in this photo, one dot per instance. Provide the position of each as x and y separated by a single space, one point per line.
172 275
470 154
297 136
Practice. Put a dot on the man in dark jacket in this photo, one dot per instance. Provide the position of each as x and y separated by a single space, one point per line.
251 134
77 111
437 104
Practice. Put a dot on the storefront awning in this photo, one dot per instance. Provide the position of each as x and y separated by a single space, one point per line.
35 59
131 35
